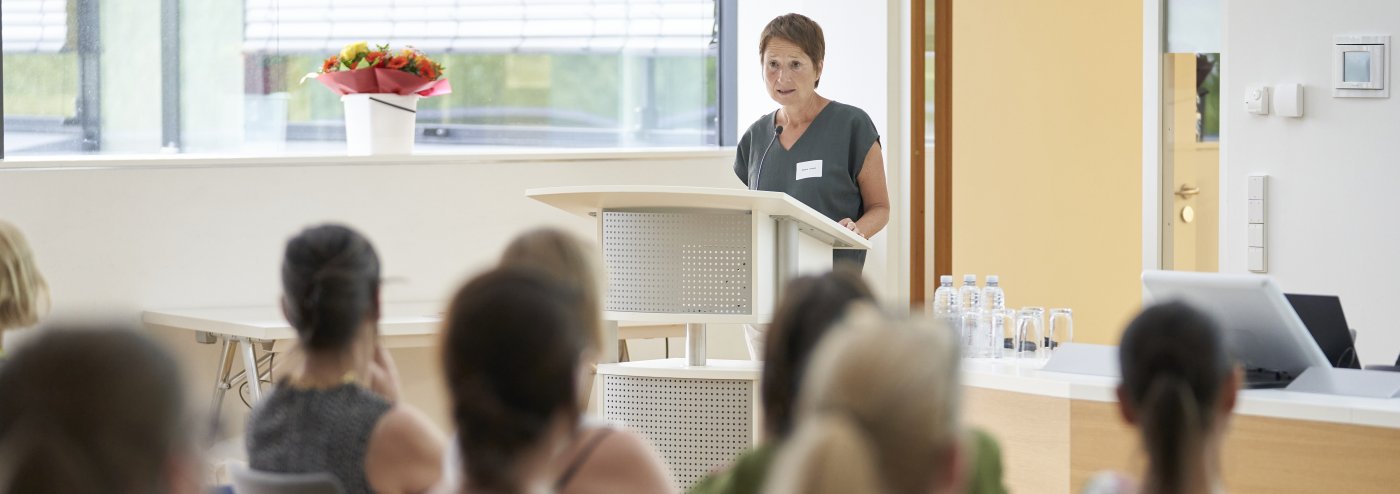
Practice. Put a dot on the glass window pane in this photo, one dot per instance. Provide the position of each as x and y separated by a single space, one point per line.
553 73
42 87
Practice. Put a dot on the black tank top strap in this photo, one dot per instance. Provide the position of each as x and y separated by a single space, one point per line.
577 462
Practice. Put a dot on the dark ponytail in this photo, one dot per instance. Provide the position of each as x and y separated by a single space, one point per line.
330 278
512 351
1173 432
1174 364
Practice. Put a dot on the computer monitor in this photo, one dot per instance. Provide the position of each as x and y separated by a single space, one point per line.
1261 328
1323 316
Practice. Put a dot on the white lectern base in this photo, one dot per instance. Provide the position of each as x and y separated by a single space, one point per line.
698 418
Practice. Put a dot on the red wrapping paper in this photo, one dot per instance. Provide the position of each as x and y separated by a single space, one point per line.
382 80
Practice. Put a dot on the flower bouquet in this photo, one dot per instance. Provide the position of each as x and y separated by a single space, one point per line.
380 89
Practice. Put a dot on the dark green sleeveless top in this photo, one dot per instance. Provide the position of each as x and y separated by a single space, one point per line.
836 144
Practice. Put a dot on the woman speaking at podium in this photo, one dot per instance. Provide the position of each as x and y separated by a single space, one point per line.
823 153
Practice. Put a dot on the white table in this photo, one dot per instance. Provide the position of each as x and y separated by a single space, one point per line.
1056 430
245 330
252 334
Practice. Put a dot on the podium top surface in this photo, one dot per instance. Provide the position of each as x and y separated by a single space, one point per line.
583 200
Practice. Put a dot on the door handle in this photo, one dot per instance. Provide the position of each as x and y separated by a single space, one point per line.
1187 191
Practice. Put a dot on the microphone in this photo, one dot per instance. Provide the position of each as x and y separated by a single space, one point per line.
777 131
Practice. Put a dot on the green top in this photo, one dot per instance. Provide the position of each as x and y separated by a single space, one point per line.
819 170
750 469
745 476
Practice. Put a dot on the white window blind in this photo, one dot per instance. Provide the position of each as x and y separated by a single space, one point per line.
33 26
1194 26
474 26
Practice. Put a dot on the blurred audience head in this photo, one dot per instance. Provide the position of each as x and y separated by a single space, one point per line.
94 409
811 305
574 263
513 344
1179 386
23 291
878 412
330 286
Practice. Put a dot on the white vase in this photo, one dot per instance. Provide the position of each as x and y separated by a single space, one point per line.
380 123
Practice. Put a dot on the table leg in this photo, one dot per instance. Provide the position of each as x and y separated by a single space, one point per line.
250 369
222 379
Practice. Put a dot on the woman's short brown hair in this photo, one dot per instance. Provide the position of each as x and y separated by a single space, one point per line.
801 31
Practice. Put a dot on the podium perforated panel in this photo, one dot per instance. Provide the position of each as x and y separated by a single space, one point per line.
687 262
698 425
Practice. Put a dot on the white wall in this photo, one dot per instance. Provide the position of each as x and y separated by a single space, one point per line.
862 57
1332 173
210 233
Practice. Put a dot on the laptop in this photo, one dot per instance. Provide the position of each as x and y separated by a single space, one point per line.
1322 315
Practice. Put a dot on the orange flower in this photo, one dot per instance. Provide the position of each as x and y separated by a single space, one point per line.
330 63
374 58
354 63
397 62
426 68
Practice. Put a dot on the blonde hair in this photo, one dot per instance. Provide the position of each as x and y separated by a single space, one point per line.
24 294
878 413
570 260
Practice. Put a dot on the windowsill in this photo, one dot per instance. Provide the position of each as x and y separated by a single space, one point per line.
506 155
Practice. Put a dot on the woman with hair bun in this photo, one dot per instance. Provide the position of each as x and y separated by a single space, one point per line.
339 412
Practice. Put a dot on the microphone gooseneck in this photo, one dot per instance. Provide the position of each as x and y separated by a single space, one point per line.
753 184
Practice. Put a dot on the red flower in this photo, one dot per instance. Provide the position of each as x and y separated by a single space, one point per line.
354 63
397 62
330 63
426 68
374 58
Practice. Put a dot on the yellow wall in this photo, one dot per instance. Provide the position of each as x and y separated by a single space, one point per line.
1047 154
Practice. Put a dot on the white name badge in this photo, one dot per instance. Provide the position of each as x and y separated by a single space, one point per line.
809 169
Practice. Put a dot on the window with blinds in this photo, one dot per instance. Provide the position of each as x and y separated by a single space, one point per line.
34 26
482 26
226 76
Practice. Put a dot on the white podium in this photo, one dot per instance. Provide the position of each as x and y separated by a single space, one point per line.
698 256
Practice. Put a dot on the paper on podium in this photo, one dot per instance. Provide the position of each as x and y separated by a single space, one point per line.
1084 358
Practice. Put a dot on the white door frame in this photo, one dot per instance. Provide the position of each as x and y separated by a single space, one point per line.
1152 43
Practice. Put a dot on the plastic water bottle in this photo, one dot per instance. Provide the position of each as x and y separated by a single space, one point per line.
969 314
993 298
969 297
945 301
993 303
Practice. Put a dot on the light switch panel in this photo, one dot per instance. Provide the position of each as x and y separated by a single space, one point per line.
1257 185
1256 211
1256 260
1256 235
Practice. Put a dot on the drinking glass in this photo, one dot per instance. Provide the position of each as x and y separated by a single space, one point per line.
968 323
1061 328
1029 332
1003 331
